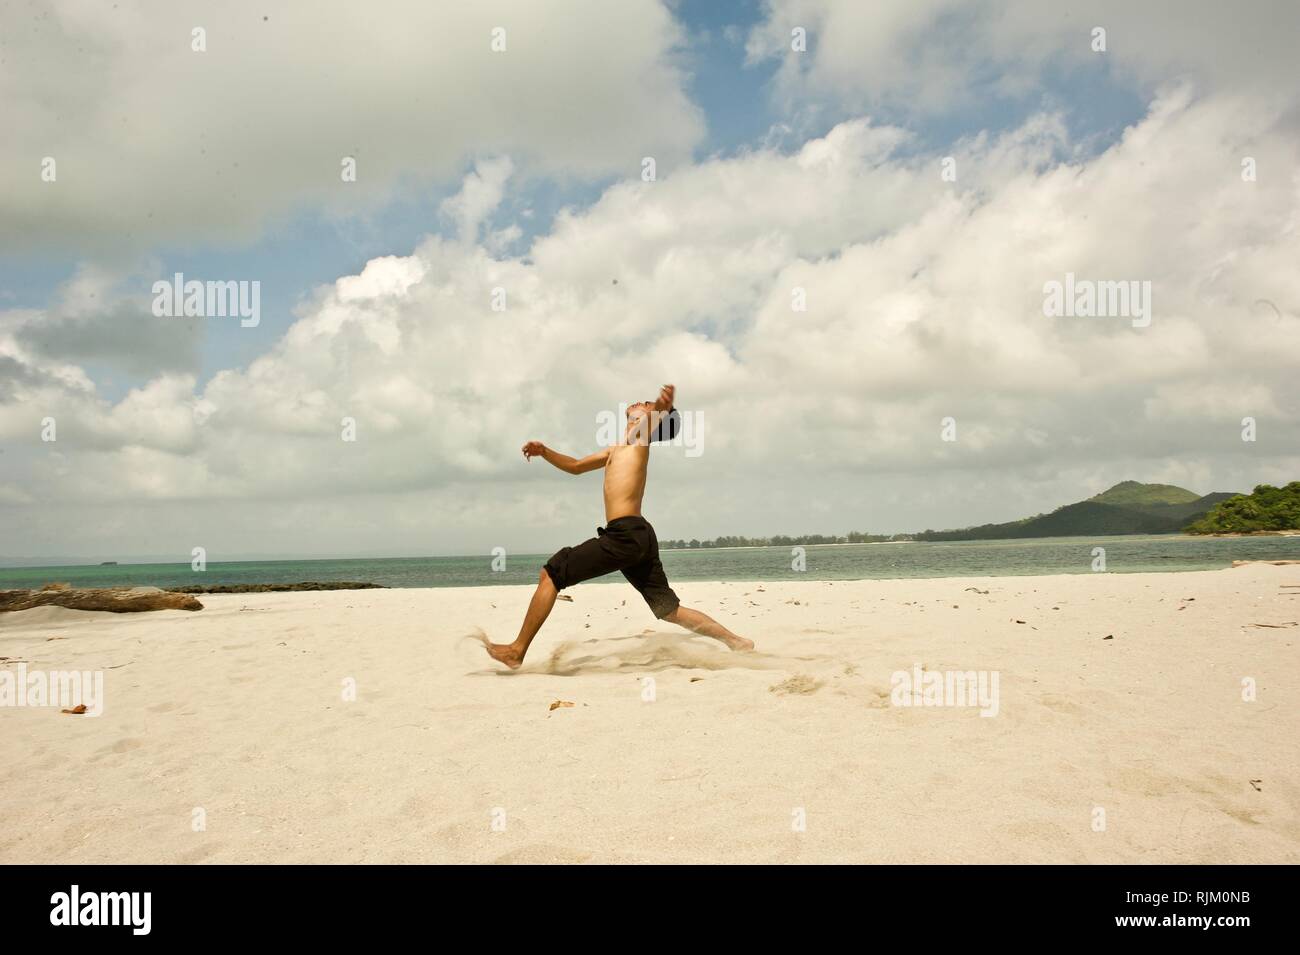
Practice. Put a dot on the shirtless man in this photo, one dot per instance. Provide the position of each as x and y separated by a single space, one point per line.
626 543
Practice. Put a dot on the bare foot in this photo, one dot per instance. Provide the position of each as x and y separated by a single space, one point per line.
734 642
507 654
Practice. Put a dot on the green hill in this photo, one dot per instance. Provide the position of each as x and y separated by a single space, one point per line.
1127 493
1267 508
1127 508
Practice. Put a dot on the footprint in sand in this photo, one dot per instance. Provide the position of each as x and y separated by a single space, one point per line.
1061 704
121 746
542 855
1221 793
798 685
875 697
190 856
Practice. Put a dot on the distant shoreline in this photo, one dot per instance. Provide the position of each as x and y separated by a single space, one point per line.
741 562
128 564
1289 533
994 540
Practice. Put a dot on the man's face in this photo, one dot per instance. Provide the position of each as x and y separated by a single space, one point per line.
638 419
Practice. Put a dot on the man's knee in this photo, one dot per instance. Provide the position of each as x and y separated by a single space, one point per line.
544 579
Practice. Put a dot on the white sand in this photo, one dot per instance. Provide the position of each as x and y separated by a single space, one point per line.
237 710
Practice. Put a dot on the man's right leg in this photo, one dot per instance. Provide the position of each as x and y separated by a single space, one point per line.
539 608
706 626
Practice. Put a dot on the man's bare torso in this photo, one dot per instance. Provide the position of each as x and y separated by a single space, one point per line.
625 473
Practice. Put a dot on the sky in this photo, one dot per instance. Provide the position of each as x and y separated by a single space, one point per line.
831 224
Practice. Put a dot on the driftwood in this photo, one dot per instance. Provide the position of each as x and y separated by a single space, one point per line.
273 588
114 601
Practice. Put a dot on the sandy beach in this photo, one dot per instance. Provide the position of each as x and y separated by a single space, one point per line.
226 737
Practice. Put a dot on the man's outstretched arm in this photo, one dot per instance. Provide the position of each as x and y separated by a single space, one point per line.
562 461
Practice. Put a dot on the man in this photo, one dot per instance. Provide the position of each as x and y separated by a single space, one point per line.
626 543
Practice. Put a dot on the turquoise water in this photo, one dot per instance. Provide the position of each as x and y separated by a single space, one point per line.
1055 555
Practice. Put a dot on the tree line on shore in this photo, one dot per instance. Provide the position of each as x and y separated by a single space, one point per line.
781 540
1265 510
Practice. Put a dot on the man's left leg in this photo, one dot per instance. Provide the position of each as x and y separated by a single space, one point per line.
649 578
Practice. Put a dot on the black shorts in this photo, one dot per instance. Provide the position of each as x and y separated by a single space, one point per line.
627 544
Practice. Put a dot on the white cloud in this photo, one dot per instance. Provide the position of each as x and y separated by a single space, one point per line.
924 300
155 142
479 196
102 318
940 56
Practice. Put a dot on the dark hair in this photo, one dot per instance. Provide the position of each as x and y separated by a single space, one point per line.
669 425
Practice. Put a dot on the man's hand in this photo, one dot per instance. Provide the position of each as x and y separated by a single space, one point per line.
533 449
665 399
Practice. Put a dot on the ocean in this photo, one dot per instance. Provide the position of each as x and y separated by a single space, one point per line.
1054 555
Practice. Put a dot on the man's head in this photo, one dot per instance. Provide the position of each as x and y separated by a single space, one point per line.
647 421
639 422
